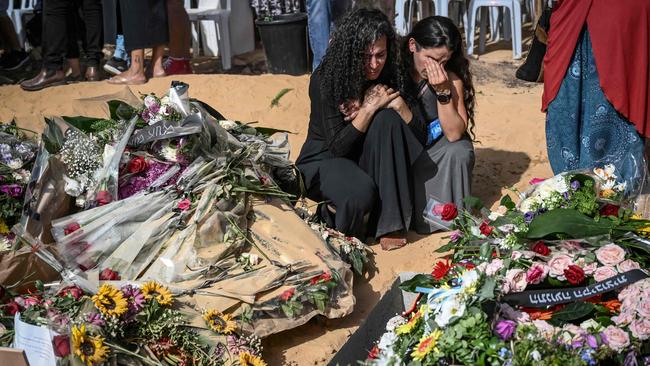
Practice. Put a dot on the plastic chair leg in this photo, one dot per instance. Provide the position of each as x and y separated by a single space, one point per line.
224 42
400 16
470 25
483 32
507 24
196 28
516 33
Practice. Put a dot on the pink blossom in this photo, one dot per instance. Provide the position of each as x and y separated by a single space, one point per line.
624 318
603 273
617 338
610 254
571 246
640 329
590 268
494 267
558 264
534 181
537 273
184 204
516 279
546 330
509 312
643 307
515 255
627 265
456 235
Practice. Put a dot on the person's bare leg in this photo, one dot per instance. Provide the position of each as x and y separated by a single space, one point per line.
179 30
135 73
8 33
156 61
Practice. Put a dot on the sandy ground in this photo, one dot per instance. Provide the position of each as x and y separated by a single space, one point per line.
511 151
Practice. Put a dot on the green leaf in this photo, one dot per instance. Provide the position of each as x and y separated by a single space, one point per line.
420 280
569 222
473 202
605 321
85 124
120 110
507 202
486 250
52 137
487 291
276 100
573 311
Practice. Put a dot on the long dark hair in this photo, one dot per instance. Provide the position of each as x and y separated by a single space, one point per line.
342 71
437 31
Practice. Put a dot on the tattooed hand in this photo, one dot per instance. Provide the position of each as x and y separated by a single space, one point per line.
377 97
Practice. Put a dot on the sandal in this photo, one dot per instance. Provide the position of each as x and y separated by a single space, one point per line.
392 241
126 80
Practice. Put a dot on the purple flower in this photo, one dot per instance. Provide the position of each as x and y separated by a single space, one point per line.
95 319
577 344
565 195
528 217
505 329
154 108
456 235
575 185
237 345
134 297
14 190
630 359
592 341
603 338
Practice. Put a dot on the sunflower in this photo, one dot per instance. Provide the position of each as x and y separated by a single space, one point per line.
248 359
427 344
154 290
413 322
110 301
89 349
219 322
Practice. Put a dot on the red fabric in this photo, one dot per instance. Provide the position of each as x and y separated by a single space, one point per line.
620 37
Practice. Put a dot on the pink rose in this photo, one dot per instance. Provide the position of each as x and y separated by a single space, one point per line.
515 255
624 318
184 204
643 307
494 267
627 265
516 279
546 330
537 273
603 273
571 246
640 329
610 254
590 268
617 338
558 264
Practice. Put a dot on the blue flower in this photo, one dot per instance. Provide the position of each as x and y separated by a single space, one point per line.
575 185
586 356
504 352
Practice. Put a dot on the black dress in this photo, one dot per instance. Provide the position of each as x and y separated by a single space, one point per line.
142 22
363 175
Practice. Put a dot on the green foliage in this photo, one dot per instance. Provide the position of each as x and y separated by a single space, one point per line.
420 280
570 222
532 350
571 312
276 100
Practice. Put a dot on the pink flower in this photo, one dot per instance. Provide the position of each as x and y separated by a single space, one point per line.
558 264
73 291
624 318
184 204
643 307
515 255
546 330
61 345
627 265
571 246
534 181
537 273
516 279
509 312
455 235
590 268
610 254
603 273
640 329
494 267
617 338
71 228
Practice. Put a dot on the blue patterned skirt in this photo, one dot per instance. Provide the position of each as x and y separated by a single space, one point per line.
583 130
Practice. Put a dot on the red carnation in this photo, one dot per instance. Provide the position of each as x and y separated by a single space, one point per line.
486 229
374 353
73 291
574 274
71 228
103 198
137 165
288 294
449 212
441 269
61 345
109 275
609 210
320 278
541 248
11 308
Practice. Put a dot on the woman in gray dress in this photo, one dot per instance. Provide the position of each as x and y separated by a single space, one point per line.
440 84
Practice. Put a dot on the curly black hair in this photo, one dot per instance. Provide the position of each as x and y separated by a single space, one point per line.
437 31
342 71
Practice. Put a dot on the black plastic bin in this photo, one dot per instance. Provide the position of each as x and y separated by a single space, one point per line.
285 43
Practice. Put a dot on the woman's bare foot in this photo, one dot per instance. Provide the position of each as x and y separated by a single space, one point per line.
392 241
128 78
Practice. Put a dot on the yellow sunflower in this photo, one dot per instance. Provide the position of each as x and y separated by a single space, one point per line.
247 359
427 344
89 349
413 322
154 290
110 301
219 322
4 229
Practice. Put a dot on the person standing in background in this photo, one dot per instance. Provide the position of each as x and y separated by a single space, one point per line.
178 61
321 15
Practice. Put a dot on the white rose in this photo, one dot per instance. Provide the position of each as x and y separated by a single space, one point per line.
603 273
627 265
610 254
558 264
640 329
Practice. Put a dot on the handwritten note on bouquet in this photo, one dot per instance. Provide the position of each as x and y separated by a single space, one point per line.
36 341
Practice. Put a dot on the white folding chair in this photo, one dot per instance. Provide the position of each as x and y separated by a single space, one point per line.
220 17
26 7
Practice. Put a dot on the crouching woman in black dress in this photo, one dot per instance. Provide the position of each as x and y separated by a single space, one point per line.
360 145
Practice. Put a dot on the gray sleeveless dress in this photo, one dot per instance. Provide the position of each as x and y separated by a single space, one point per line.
444 169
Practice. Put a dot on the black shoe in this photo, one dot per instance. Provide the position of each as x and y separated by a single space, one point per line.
13 60
115 66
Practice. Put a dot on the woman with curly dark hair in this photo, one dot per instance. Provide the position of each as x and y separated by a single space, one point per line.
438 78
360 145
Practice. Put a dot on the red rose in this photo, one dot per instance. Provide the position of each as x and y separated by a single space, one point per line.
71 228
103 198
449 212
485 228
541 248
574 274
61 345
441 269
374 353
73 291
109 275
137 165
288 294
609 210
11 308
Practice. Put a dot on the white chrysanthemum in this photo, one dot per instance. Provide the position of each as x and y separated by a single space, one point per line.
168 152
72 187
386 341
5 244
451 308
15 164
395 322
227 124
531 204
621 187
